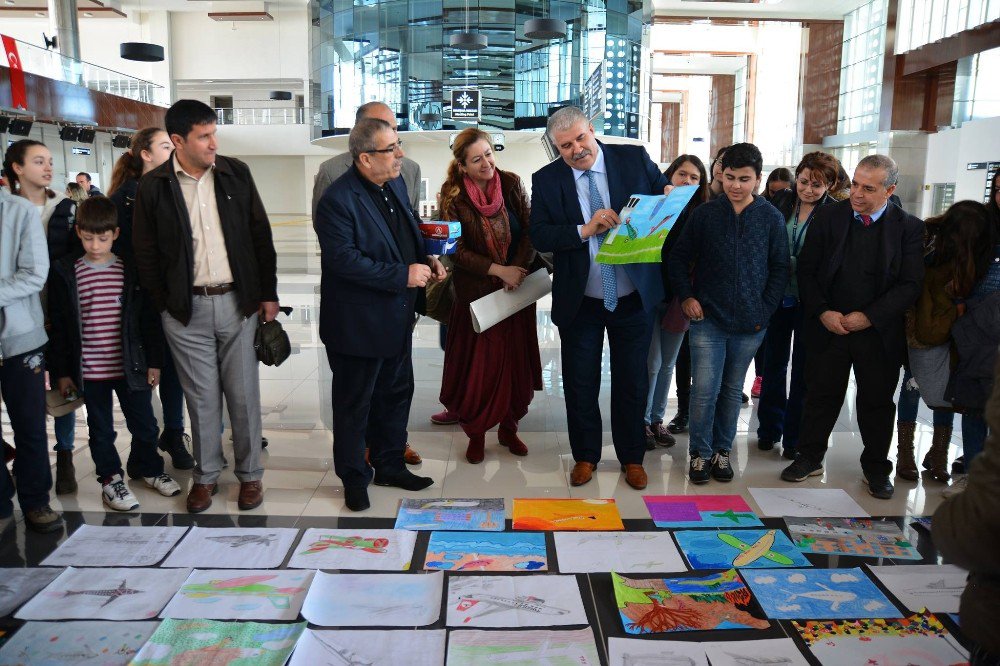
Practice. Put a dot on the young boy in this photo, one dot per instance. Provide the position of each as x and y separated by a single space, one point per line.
110 342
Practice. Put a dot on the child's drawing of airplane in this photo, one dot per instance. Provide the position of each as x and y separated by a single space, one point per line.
491 603
750 553
833 597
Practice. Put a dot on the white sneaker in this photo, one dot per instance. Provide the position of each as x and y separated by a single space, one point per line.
163 484
117 496
958 485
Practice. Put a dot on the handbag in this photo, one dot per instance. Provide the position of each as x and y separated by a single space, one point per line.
56 404
674 320
440 296
271 342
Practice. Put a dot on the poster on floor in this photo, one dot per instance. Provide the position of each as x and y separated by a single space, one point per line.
462 514
493 551
754 549
936 587
104 594
632 651
781 651
552 515
233 548
826 593
693 511
807 503
366 550
211 642
374 600
102 546
86 643
862 537
696 603
324 647
225 594
624 552
522 648
19 585
514 601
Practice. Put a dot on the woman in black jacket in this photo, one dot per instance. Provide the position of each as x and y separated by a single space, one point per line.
778 412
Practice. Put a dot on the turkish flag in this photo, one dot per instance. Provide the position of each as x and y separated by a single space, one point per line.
19 97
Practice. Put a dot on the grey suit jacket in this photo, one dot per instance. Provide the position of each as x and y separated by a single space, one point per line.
335 167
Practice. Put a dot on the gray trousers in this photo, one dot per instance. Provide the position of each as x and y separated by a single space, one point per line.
215 351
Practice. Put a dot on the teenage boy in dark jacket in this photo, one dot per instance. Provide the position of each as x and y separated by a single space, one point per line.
738 249
110 342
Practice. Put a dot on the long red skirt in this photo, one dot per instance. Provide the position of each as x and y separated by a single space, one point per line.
490 377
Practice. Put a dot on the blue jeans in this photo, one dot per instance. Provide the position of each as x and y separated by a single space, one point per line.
663 348
909 402
137 407
65 430
719 363
22 383
974 430
780 413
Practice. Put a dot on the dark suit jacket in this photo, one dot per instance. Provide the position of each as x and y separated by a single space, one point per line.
556 213
366 308
899 273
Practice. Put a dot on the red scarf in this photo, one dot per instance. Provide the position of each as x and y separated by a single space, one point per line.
496 225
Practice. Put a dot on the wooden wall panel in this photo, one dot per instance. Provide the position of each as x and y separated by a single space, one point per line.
671 126
721 111
821 81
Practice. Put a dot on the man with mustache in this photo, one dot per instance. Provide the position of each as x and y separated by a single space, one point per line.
573 206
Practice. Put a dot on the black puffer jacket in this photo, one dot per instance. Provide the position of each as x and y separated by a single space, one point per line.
124 198
976 335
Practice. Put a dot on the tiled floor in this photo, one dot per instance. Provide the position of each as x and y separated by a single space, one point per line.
299 480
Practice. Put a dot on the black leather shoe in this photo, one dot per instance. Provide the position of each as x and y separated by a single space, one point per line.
175 444
406 480
879 487
679 423
765 444
356 499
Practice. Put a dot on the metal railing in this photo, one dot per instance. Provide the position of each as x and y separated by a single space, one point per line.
262 116
54 65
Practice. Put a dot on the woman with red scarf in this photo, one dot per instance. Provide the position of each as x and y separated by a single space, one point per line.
489 377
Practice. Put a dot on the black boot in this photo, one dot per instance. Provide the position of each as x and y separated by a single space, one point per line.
174 443
65 473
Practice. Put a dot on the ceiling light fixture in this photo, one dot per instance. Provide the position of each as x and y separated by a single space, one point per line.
544 28
141 51
468 40
279 95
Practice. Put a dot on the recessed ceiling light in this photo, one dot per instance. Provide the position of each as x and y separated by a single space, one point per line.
88 15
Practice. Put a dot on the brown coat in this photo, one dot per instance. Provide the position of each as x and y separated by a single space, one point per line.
472 259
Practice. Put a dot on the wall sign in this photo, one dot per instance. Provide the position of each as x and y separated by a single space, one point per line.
976 166
991 169
77 150
465 104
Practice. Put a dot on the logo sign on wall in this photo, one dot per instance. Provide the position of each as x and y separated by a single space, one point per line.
465 104
77 150
991 169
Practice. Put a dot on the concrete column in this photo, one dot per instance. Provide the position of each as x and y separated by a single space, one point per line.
62 18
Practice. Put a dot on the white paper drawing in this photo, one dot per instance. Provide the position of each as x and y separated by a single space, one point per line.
523 648
936 587
807 503
233 548
89 643
19 585
367 550
890 651
224 594
338 648
374 600
514 601
624 552
769 652
104 594
639 652
101 546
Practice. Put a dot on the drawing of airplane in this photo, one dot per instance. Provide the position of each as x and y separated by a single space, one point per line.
661 223
343 655
833 597
629 659
490 603
241 540
369 545
543 655
111 593
750 553
572 517
733 516
245 586
450 504
648 565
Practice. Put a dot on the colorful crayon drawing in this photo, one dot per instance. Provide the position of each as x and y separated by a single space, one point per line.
659 605
646 219
865 537
244 586
375 545
255 595
514 601
917 639
566 515
711 549
87 643
385 550
495 551
457 514
523 648
179 642
826 593
687 511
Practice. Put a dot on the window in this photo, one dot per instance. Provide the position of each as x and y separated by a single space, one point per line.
861 68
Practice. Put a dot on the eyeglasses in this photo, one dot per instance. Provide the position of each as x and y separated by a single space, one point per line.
391 149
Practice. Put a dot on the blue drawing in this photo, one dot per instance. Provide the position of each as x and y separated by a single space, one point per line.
829 594
724 549
457 514
476 551
645 221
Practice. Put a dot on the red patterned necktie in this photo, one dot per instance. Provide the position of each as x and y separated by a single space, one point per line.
866 220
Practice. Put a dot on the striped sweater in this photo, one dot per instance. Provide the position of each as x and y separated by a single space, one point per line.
99 287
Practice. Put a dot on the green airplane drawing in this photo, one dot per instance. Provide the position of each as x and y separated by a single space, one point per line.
245 586
733 516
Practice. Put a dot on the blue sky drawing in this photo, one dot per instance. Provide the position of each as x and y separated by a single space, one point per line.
828 594
705 550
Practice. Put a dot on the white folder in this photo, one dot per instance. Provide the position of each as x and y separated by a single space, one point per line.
494 308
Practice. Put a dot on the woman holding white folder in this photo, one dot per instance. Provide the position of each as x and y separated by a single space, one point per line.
489 378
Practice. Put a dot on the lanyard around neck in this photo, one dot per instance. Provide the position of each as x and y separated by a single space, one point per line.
797 235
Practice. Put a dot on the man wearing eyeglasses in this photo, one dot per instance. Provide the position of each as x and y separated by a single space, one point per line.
373 268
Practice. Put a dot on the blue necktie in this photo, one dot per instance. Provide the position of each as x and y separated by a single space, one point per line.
608 279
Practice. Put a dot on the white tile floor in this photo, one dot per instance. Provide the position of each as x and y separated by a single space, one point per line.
296 407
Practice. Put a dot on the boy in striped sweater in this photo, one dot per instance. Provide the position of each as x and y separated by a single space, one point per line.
106 339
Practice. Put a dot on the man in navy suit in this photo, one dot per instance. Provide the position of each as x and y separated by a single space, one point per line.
573 206
373 266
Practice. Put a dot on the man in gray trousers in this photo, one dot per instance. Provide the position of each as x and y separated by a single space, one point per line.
204 253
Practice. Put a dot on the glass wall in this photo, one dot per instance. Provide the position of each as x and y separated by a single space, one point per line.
861 68
397 51
976 92
921 22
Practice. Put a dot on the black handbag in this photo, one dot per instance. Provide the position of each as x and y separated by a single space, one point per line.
271 342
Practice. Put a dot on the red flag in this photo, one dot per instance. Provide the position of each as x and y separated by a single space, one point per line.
19 97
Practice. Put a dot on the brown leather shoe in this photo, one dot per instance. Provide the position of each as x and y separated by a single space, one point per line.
635 476
251 495
582 473
200 496
411 457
